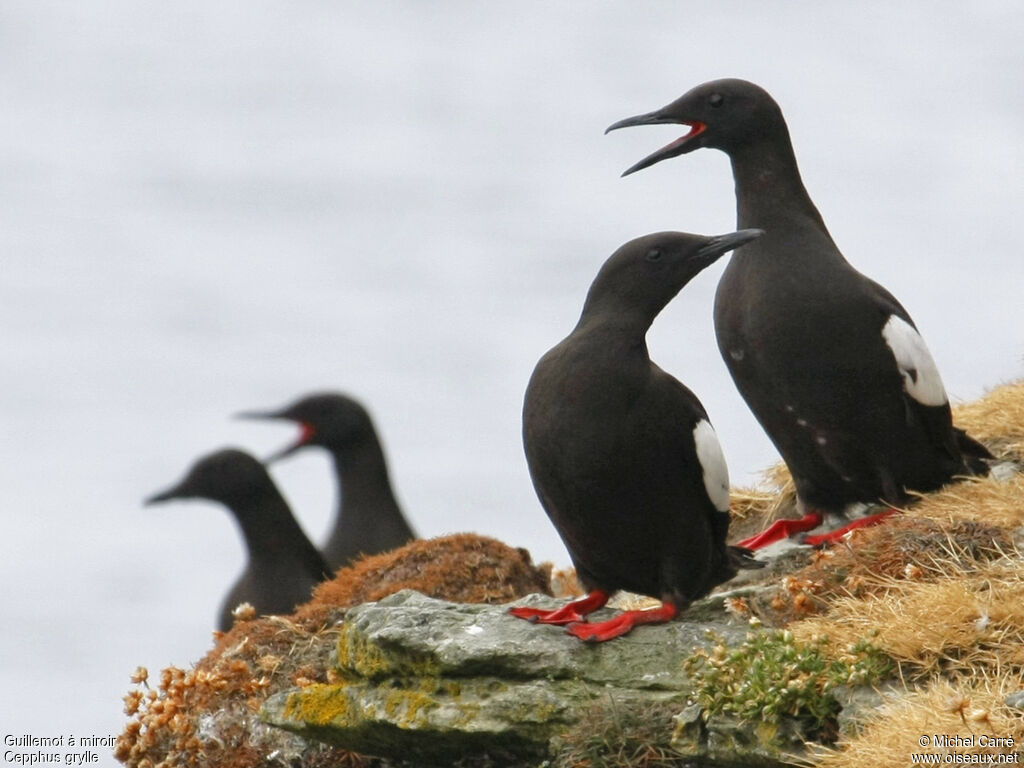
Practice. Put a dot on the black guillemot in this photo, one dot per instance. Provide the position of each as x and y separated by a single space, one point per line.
828 360
622 455
283 566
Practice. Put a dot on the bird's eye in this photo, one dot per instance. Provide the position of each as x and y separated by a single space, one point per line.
654 254
716 99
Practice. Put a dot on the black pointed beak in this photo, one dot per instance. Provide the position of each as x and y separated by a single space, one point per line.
288 450
657 117
722 244
662 116
178 491
261 415
304 436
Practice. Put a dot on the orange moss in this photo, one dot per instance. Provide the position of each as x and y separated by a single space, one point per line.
463 568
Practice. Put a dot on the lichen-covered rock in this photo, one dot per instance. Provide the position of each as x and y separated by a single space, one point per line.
427 681
409 634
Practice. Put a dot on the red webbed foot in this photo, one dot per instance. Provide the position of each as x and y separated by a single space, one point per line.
576 611
621 624
838 533
781 529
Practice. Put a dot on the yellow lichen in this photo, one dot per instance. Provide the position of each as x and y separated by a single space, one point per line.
319 705
364 659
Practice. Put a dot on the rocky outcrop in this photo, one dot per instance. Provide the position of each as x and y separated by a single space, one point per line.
429 682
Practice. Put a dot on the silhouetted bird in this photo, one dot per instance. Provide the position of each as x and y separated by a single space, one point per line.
622 455
369 519
829 362
283 567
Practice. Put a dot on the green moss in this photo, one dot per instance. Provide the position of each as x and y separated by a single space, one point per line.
771 676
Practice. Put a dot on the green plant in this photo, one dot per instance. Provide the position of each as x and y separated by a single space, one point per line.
771 675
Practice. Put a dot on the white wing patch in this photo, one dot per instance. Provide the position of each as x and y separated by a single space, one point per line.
712 464
921 378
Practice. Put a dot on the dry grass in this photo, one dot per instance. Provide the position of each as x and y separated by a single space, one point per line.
753 509
983 499
908 723
871 560
958 625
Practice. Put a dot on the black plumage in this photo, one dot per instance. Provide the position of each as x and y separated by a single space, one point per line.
368 519
828 360
283 566
621 454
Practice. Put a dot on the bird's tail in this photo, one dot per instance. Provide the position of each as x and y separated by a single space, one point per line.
728 558
974 453
742 558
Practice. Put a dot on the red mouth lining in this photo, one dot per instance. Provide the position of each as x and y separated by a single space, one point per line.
696 129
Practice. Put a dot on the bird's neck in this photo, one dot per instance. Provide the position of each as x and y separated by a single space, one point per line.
268 526
769 191
614 338
620 318
365 492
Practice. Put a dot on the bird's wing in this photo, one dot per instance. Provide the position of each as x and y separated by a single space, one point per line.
924 394
680 419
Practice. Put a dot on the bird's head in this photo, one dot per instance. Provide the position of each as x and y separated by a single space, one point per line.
329 419
226 476
646 273
721 114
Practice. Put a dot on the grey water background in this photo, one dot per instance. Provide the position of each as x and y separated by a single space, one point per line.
210 207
